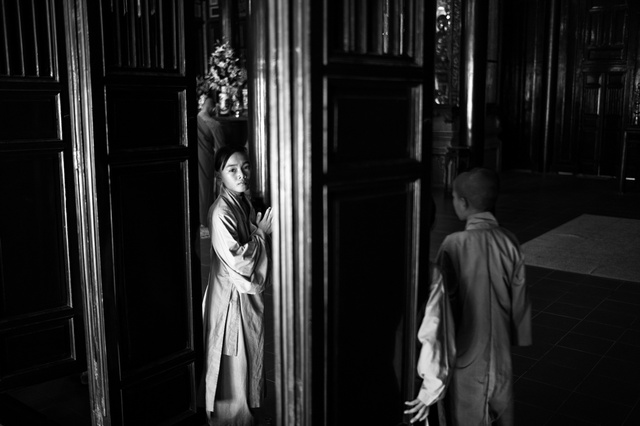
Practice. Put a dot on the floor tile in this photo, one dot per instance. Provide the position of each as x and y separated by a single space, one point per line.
625 296
590 409
544 334
596 329
589 344
568 309
540 395
612 318
625 371
564 420
546 285
629 287
633 419
558 322
529 415
624 352
610 389
572 358
521 364
539 304
535 351
620 307
555 375
631 337
534 274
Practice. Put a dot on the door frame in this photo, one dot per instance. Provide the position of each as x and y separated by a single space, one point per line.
82 136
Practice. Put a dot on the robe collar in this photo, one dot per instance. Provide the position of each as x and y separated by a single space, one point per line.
484 220
235 198
232 195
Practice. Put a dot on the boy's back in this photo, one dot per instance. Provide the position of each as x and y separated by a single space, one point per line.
486 280
485 277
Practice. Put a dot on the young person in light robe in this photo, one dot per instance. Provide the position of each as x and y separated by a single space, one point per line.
233 305
485 277
437 352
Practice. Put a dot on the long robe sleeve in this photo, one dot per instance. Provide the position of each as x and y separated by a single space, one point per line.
520 308
437 337
246 263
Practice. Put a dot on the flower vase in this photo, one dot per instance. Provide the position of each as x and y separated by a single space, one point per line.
224 103
236 105
245 100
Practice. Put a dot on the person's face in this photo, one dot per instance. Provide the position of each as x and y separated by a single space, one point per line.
236 173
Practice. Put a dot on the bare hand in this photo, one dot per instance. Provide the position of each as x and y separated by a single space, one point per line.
419 407
264 222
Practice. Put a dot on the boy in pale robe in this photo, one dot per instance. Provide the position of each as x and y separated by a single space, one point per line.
485 277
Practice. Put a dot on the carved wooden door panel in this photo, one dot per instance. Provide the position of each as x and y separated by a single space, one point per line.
603 84
373 176
144 144
41 323
601 120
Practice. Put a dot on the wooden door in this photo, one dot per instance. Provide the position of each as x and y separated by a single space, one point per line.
143 111
41 306
603 84
350 94
98 167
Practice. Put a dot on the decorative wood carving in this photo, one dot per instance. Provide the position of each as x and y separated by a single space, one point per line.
143 36
447 52
374 31
28 39
605 32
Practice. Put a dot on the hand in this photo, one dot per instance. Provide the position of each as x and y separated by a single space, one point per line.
419 407
264 222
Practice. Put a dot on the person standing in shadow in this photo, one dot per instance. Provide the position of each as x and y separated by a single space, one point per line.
211 137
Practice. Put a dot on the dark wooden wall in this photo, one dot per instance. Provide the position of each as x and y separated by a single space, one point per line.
568 72
41 323
98 225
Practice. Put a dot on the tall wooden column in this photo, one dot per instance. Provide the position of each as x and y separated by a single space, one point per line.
475 16
551 77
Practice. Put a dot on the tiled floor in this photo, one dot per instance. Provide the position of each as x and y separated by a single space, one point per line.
583 368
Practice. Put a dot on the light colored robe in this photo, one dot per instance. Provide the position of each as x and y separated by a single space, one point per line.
240 268
485 277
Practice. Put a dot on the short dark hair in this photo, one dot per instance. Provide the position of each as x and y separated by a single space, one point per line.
224 153
480 187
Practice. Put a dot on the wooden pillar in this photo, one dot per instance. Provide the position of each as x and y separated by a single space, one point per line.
550 83
229 20
475 16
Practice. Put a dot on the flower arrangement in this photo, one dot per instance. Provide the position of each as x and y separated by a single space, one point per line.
225 71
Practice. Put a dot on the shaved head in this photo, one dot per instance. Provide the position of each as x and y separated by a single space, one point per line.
479 187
